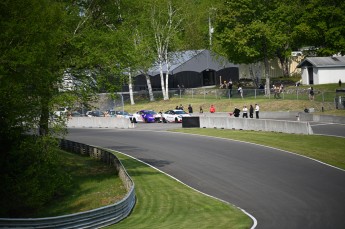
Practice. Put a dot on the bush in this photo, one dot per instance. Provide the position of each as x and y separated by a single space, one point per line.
31 175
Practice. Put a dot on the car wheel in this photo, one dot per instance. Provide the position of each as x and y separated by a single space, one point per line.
146 120
176 120
164 120
134 120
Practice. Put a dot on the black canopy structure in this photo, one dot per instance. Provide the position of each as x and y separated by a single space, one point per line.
192 68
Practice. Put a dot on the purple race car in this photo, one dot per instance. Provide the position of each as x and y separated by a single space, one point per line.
146 116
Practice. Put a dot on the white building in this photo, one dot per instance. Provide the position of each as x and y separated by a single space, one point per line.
322 70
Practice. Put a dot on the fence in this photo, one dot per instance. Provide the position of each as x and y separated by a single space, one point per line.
95 218
214 93
329 100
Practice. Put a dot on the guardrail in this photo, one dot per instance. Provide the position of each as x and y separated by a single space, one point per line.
100 122
282 126
95 218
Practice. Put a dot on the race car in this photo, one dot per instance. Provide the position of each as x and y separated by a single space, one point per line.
174 115
148 116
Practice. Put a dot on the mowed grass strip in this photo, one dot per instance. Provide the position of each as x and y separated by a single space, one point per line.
163 202
94 184
330 150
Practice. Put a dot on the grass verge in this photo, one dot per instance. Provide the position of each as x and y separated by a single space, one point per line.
163 202
330 150
94 185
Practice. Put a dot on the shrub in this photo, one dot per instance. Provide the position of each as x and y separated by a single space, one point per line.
31 175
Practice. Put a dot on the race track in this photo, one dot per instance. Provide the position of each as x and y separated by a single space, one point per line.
280 189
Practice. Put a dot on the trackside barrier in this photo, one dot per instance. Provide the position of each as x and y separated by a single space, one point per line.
321 118
256 124
100 122
95 218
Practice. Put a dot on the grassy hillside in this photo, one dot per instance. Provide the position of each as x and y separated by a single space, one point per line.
324 98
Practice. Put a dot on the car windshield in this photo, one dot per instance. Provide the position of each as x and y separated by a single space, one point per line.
150 112
180 112
122 113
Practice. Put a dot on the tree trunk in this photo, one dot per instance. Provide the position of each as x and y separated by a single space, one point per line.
167 77
130 87
162 79
44 118
149 87
284 62
253 75
267 76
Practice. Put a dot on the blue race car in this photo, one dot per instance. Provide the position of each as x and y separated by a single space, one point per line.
146 116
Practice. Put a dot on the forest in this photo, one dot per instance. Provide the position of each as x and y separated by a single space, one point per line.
103 42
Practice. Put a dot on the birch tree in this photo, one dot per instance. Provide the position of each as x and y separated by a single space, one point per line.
245 33
165 31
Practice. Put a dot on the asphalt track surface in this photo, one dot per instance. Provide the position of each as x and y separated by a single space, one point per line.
280 189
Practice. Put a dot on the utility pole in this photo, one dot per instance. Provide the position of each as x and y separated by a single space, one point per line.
210 30
210 27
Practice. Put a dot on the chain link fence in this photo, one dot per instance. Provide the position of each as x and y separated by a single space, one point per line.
328 100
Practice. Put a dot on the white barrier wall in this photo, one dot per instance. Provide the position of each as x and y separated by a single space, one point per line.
322 118
100 122
263 115
292 127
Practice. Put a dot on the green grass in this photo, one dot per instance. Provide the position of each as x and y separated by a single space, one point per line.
330 150
163 202
94 185
224 104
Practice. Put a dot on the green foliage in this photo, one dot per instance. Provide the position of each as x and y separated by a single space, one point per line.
244 31
31 175
323 26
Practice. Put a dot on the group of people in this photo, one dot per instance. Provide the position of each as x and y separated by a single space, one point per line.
277 90
228 85
190 108
245 111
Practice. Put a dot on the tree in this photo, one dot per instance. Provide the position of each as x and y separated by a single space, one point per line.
245 32
322 27
283 20
31 62
165 28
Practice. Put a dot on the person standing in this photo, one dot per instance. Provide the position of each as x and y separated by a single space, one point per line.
257 109
190 109
201 110
240 91
230 87
245 112
251 111
212 109
311 93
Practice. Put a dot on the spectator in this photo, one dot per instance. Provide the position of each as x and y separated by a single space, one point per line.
257 109
276 92
201 110
311 93
190 109
240 91
212 109
230 87
236 112
245 112
251 111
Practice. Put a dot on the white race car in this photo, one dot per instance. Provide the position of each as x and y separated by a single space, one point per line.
174 115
